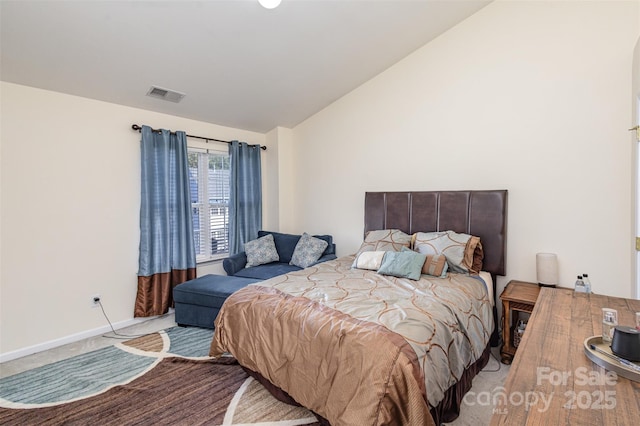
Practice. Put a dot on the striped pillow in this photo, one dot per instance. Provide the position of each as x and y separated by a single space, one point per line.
435 265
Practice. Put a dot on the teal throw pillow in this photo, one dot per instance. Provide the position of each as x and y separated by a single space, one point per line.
403 264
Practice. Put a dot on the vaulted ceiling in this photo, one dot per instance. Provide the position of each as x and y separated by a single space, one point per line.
240 65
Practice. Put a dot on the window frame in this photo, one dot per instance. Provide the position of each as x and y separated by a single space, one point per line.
203 209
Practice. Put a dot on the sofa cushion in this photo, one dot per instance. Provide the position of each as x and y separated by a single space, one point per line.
264 272
209 290
234 263
286 244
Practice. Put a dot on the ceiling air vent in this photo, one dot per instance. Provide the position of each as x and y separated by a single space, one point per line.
165 94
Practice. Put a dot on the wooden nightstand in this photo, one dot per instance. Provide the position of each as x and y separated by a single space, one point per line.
518 296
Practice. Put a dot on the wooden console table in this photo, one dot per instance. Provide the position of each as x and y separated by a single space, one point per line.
551 380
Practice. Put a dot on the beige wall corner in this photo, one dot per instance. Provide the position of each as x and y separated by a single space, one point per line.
279 181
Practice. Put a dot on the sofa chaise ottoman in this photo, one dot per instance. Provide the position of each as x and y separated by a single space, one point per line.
198 301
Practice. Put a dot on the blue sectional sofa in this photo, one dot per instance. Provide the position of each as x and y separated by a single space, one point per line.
197 302
285 245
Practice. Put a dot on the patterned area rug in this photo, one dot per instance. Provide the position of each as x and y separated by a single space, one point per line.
164 378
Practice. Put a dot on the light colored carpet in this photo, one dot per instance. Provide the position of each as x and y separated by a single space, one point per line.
165 378
475 410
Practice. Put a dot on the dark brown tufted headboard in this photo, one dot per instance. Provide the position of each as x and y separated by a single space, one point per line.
480 213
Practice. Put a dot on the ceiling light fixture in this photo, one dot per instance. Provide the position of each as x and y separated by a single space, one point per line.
269 4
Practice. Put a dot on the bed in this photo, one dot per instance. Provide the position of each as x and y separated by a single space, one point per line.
362 348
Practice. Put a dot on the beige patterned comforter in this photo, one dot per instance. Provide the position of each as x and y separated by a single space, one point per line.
355 346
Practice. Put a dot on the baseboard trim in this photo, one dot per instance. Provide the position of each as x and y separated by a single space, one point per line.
29 350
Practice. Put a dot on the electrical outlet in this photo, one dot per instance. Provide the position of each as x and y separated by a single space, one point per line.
94 300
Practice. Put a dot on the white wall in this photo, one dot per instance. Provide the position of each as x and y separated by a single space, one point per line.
635 138
532 97
69 211
528 96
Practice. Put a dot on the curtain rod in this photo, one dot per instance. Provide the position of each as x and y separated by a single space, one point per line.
138 129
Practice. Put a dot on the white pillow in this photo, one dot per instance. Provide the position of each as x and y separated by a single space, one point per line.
371 260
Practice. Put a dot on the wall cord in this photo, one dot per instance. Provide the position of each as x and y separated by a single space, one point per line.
116 334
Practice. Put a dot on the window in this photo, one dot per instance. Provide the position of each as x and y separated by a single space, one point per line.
209 185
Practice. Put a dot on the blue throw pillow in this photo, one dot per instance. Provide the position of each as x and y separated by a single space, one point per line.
261 251
403 264
308 250
286 243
